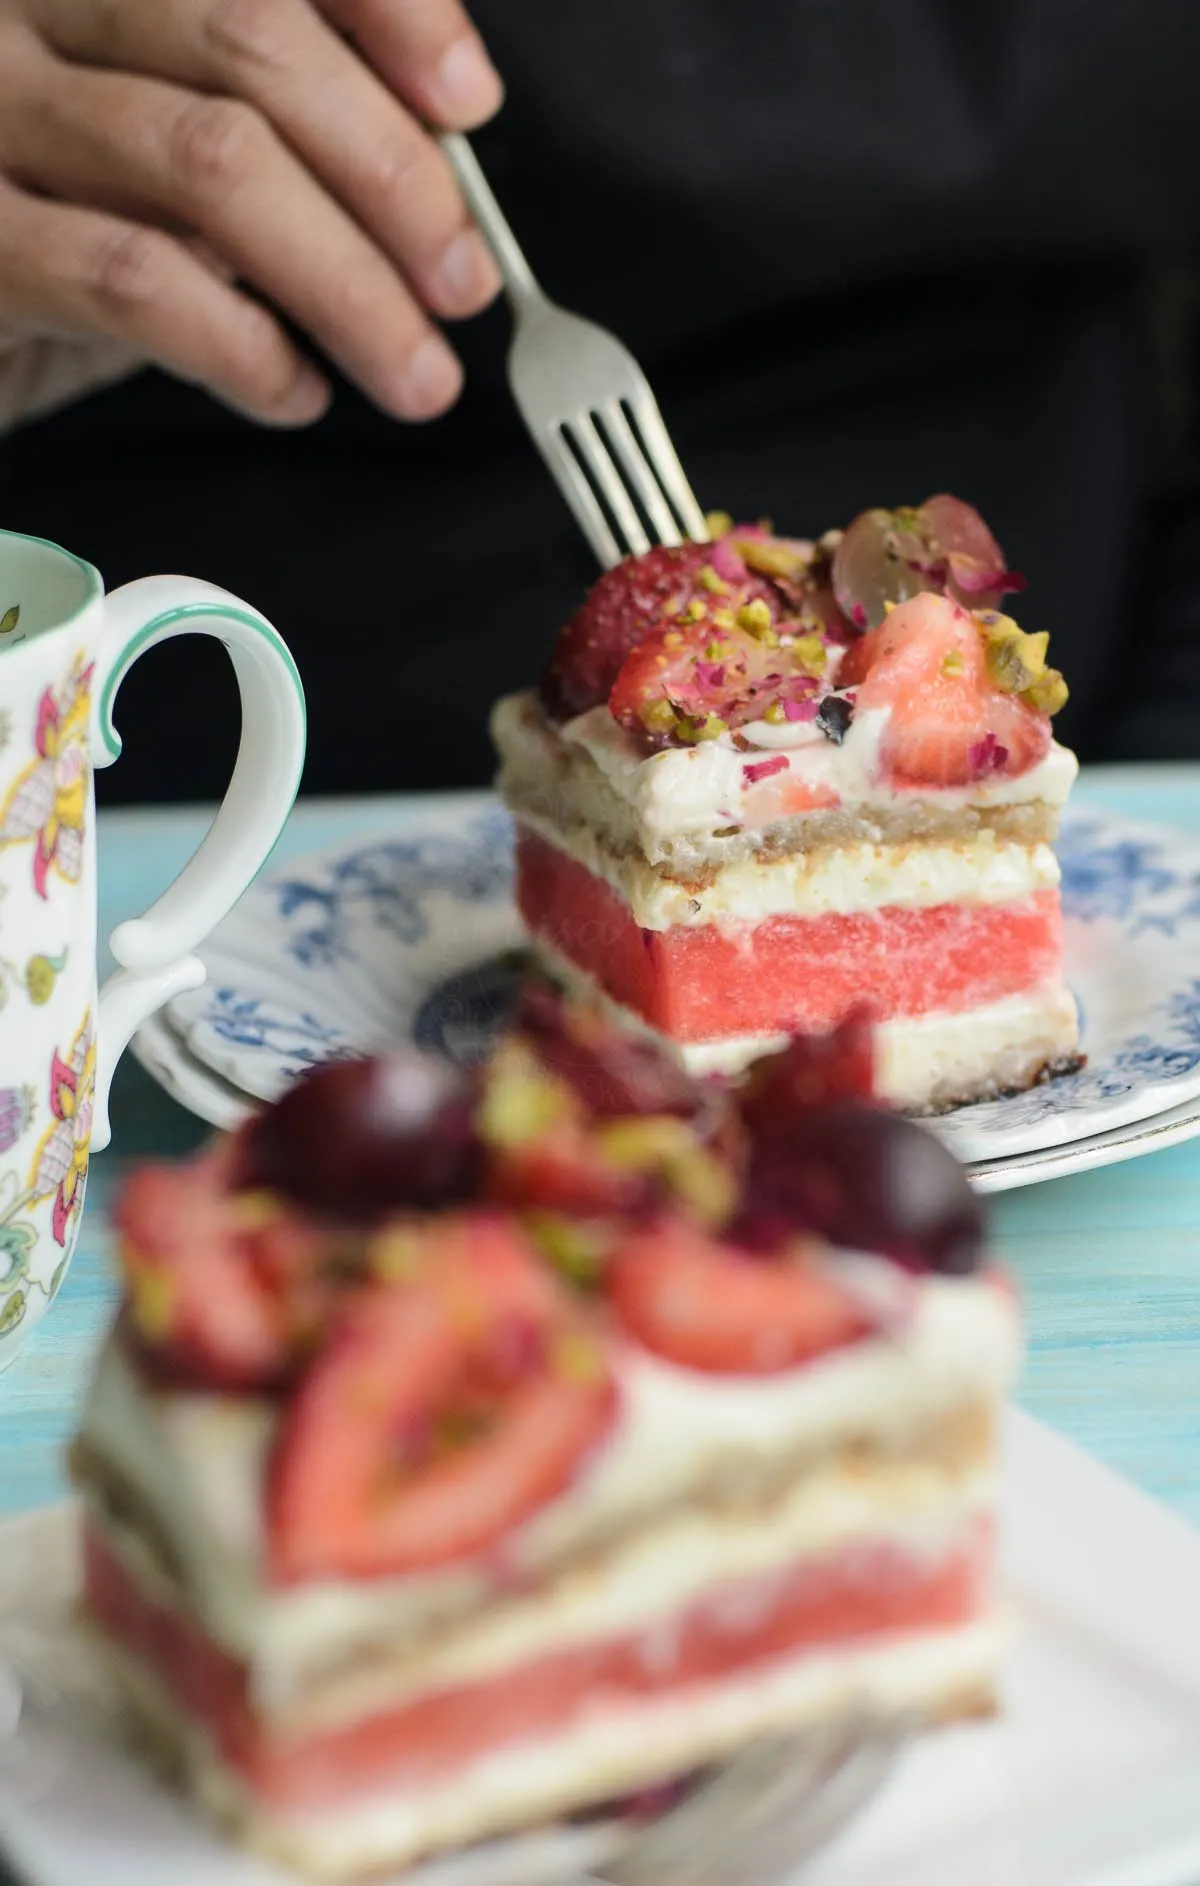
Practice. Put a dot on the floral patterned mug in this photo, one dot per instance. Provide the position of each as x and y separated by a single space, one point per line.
64 650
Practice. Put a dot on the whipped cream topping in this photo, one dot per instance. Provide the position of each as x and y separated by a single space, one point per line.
703 788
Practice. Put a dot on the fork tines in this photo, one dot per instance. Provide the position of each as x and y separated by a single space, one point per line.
623 479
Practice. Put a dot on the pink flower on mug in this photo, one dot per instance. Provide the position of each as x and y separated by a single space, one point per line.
60 1163
47 802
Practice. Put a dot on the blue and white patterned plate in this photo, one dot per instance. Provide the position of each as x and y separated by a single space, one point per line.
414 938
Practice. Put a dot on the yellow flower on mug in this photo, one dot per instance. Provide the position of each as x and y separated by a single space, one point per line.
60 1163
46 803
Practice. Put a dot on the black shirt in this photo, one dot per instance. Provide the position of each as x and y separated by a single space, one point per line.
866 250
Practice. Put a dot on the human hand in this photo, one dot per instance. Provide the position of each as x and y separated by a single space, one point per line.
172 171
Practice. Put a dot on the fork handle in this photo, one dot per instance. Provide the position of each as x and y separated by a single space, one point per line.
520 282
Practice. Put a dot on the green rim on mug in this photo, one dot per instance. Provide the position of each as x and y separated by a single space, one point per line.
184 613
94 591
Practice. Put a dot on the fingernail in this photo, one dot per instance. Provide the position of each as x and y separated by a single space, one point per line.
305 400
430 381
468 275
468 85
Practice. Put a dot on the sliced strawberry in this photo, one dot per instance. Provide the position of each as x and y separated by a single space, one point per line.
859 659
625 605
222 1290
689 681
948 725
443 1413
707 1306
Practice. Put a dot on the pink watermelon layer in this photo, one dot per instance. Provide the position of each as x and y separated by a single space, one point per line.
712 982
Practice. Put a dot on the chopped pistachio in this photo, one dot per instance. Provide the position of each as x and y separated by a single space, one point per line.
578 1358
718 651
396 1254
775 714
723 619
692 728
658 717
661 1143
771 559
704 1184
673 639
952 664
695 611
810 654
708 579
1014 660
1048 693
152 1301
718 524
889 605
755 618
641 1144
576 1249
254 1211
520 1100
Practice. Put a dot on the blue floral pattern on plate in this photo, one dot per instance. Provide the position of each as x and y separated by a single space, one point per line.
414 938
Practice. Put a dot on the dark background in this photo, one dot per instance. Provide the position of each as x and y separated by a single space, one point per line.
866 249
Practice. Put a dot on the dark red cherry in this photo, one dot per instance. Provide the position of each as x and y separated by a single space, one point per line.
810 1072
865 1180
360 1139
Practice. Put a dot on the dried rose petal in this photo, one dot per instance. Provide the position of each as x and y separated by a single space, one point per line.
726 562
764 769
987 755
800 710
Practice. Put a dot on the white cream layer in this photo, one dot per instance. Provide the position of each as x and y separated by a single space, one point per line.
980 869
704 788
607 1753
199 1463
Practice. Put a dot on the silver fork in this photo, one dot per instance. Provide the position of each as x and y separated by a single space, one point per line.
762 1813
585 400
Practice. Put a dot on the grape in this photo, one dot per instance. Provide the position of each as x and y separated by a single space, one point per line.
945 546
360 1139
865 1180
884 557
958 530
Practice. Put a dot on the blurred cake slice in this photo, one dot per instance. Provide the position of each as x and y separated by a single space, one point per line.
764 783
468 1458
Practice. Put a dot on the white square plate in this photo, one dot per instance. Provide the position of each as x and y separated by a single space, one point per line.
1090 1777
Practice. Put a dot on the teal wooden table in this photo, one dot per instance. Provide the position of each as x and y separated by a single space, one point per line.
1110 1261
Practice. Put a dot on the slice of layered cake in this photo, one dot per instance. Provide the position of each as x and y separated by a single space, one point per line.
764 782
468 1455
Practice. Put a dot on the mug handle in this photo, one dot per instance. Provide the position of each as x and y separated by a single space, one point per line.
155 953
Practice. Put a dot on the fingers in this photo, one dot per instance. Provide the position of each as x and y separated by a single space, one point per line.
327 105
213 165
430 53
75 271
